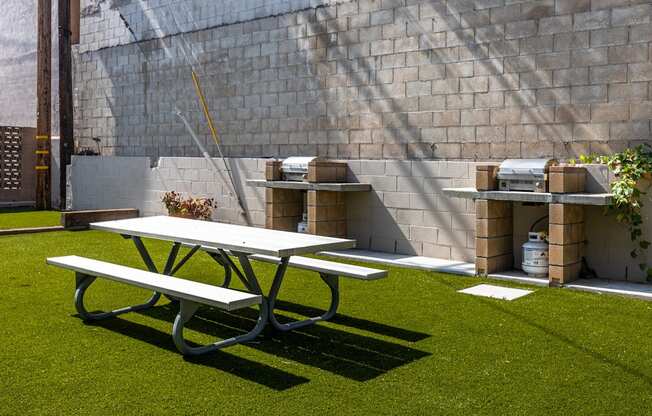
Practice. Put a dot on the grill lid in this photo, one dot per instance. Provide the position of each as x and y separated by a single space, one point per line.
297 164
511 168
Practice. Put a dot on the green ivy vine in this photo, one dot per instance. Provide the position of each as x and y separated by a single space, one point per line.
629 167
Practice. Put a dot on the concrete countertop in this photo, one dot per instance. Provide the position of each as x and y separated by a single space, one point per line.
520 196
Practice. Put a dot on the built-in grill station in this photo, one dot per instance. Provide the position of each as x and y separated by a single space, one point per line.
558 187
306 194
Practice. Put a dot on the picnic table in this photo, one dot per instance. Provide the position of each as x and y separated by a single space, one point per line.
222 242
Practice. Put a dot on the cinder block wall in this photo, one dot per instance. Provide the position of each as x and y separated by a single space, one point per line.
405 214
370 79
411 92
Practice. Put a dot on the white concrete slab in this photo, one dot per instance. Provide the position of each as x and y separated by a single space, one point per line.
495 292
520 277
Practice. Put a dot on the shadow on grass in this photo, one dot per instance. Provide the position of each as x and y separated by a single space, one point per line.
15 210
350 321
348 355
564 339
573 344
241 367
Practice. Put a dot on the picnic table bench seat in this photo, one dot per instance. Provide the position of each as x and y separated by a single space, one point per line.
316 265
327 267
329 271
190 294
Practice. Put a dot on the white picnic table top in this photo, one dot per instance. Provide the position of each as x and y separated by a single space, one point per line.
251 240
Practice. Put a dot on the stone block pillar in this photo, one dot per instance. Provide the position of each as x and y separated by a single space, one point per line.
566 242
273 170
486 177
494 236
283 209
326 213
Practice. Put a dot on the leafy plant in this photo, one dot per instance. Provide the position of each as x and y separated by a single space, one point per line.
591 158
198 208
629 167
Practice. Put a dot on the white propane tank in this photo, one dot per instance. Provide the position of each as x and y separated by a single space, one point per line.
535 255
302 226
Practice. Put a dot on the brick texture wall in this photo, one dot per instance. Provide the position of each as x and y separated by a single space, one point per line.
406 213
375 79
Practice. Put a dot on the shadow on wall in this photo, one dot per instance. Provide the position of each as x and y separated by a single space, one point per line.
608 244
406 212
317 87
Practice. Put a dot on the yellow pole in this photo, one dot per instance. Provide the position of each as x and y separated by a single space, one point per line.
216 139
207 114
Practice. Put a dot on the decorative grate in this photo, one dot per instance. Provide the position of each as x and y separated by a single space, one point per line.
11 143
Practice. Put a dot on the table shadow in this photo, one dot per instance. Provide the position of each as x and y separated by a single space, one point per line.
349 355
350 321
256 372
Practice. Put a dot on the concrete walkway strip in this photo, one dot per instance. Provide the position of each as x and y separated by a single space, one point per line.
613 287
602 286
496 292
16 231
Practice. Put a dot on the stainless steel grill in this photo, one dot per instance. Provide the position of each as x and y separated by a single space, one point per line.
296 168
524 174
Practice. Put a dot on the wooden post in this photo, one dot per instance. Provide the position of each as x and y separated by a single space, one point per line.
43 107
74 22
66 142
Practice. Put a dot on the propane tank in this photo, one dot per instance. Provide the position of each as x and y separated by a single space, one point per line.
302 226
535 254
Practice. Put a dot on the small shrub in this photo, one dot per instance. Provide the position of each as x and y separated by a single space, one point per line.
197 208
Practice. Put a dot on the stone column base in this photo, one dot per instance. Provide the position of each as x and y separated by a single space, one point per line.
494 235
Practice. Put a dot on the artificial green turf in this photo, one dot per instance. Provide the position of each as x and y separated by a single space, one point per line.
408 344
27 218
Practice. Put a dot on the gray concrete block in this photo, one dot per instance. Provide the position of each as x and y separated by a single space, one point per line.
640 72
474 117
555 60
589 94
608 37
555 24
641 33
571 41
592 20
634 15
522 29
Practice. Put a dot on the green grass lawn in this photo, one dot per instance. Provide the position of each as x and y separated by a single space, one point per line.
27 218
409 344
